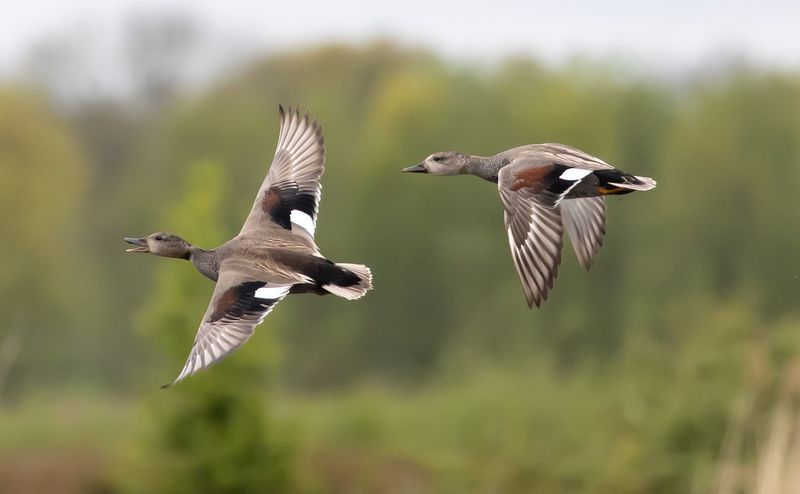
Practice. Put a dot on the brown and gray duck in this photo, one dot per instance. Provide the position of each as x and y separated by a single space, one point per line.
545 189
274 254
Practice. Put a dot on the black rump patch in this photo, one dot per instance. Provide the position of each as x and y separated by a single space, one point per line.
606 176
308 288
240 300
322 271
325 272
283 198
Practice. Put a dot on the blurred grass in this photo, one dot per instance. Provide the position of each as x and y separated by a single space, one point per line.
75 420
493 428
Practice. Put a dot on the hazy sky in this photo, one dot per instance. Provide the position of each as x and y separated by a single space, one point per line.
673 34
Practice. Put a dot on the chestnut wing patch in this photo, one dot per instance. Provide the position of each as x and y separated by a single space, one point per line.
240 301
285 202
533 177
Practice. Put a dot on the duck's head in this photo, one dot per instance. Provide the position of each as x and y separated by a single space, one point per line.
444 163
161 244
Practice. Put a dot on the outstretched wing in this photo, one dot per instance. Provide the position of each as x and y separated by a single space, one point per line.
585 222
237 307
534 234
289 197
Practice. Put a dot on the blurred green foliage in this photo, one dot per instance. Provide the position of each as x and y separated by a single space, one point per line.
440 380
42 195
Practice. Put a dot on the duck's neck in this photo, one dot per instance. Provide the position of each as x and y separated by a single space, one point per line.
486 168
205 261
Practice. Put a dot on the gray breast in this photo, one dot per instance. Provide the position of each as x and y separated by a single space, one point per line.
206 262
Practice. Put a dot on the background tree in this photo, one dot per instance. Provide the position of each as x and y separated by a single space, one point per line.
212 432
43 176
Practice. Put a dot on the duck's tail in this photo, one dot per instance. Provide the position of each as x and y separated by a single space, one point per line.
354 286
616 182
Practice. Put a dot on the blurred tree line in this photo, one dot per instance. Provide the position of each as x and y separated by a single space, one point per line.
692 276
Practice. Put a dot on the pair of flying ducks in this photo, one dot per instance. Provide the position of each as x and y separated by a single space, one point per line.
545 189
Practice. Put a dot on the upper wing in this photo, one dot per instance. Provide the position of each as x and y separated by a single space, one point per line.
237 307
585 221
534 234
289 197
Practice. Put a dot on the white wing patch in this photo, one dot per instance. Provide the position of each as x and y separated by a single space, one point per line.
574 174
271 292
303 220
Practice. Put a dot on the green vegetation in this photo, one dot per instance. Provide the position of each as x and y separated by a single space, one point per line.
663 370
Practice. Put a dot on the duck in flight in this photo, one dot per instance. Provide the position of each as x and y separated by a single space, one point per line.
545 189
274 254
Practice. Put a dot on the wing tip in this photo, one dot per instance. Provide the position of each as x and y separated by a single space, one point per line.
292 112
185 372
537 297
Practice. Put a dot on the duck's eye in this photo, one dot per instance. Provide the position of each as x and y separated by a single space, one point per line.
438 159
159 237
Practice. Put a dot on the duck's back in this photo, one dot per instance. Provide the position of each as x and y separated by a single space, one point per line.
550 153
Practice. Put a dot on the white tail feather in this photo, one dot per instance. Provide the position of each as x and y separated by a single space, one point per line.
355 291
